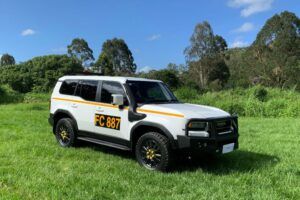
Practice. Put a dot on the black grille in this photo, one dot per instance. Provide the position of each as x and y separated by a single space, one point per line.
222 125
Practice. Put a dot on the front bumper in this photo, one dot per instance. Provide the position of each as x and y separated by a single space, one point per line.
212 144
206 145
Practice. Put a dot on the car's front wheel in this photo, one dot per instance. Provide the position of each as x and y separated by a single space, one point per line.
153 151
65 132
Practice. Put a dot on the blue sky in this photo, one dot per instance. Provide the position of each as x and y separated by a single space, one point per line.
156 31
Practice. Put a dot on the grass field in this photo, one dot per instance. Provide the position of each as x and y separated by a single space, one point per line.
33 166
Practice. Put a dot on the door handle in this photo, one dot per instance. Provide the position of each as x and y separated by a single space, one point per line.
74 105
99 109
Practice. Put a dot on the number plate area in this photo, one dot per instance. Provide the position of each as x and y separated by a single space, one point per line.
107 121
228 148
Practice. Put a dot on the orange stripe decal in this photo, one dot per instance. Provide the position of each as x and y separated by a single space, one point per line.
113 106
160 113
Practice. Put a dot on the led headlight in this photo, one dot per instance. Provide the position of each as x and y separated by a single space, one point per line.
198 129
199 126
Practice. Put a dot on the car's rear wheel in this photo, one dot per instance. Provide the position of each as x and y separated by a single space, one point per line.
153 151
65 132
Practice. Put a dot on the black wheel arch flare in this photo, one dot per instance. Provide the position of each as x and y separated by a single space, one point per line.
60 113
163 130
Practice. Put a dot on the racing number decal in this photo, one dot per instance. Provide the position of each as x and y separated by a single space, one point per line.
107 121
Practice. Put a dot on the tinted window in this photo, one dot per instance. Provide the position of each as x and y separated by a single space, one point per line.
87 90
109 88
68 87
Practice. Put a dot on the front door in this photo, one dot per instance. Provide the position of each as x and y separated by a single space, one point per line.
111 120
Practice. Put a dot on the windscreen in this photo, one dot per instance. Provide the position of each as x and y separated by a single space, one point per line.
146 92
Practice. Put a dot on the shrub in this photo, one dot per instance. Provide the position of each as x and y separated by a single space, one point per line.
8 95
260 93
186 93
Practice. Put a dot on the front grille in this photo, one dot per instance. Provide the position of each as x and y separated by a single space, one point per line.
223 126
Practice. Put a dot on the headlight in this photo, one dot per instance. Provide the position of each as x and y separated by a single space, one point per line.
198 129
199 126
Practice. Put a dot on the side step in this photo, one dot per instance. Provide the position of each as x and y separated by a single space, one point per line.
105 143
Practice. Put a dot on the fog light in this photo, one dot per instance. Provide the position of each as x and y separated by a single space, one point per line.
198 133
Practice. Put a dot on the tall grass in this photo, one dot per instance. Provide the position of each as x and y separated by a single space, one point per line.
253 102
8 95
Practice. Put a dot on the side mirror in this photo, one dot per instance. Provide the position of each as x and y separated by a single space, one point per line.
118 99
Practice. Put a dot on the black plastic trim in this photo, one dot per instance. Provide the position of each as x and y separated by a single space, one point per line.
51 119
155 125
104 138
133 115
66 113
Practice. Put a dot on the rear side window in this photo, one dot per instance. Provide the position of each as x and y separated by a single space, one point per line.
109 88
68 87
87 90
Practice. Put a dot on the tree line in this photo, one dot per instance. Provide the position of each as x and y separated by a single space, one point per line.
272 60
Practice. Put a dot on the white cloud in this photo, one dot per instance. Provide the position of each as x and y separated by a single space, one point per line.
246 27
28 32
144 69
238 43
60 50
250 7
154 37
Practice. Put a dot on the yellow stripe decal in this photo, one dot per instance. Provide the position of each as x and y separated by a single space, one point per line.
159 113
113 106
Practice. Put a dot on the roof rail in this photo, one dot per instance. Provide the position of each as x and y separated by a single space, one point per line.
86 73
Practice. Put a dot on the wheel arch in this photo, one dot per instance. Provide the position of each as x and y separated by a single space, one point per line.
143 127
59 114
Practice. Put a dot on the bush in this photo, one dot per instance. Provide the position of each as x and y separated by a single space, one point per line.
260 93
8 95
186 93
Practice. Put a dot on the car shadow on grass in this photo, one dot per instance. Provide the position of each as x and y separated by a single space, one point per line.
106 150
240 161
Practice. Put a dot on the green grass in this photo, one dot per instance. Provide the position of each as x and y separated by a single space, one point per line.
33 166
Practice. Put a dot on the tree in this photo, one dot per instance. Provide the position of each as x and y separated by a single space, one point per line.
116 58
205 49
277 50
80 49
167 76
103 65
7 59
39 74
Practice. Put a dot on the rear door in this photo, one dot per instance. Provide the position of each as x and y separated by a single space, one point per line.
111 120
84 104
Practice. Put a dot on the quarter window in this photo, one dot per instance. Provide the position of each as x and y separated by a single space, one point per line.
68 87
87 90
109 88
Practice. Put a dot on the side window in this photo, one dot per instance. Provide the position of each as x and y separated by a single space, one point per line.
68 87
109 88
87 90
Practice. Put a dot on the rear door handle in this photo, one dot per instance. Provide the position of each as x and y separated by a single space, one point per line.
74 105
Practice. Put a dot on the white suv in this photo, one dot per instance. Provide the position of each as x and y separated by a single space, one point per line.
138 115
